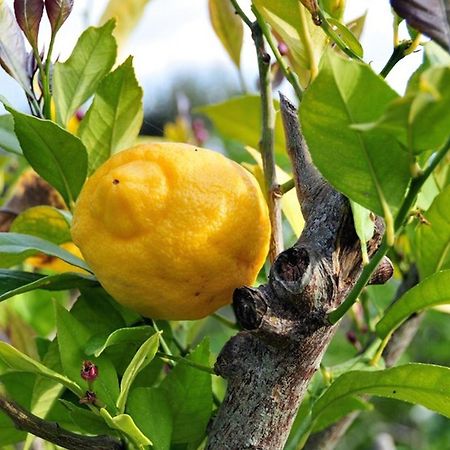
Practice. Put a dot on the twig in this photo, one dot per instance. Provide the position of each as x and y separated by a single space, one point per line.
290 76
52 432
399 52
170 358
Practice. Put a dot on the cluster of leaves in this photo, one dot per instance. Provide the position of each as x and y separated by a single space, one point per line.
368 142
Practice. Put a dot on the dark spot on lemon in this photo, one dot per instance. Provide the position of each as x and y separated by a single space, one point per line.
116 181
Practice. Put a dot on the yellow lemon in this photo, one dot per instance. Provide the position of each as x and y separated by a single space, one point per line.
170 230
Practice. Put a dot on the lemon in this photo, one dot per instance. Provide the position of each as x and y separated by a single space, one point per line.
170 230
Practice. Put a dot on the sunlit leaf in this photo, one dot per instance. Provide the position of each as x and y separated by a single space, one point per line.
28 16
8 139
75 80
141 359
228 27
422 384
364 227
347 37
58 11
432 239
370 168
13 57
125 423
433 291
55 154
114 119
127 15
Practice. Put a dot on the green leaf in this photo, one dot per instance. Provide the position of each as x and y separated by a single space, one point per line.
364 227
432 238
55 154
339 410
228 27
142 358
150 409
8 139
13 56
421 120
422 384
114 119
370 168
347 37
433 291
15 247
189 393
127 14
292 22
75 80
45 222
72 339
17 361
240 119
125 423
99 344
13 282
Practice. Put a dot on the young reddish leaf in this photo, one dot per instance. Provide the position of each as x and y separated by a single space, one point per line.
28 16
431 18
58 11
13 57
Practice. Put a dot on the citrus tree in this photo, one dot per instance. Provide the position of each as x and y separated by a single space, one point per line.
117 250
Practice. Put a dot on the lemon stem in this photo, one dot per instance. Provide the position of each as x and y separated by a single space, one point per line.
167 357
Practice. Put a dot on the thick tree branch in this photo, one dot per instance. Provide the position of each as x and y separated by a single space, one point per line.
52 432
269 365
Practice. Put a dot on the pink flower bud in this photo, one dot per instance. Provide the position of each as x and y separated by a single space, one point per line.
89 371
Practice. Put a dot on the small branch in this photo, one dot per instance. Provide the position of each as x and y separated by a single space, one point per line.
290 76
241 14
169 358
398 54
52 432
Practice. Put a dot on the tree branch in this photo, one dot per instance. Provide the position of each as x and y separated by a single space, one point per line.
269 364
52 432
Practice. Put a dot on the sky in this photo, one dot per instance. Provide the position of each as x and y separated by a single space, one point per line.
175 36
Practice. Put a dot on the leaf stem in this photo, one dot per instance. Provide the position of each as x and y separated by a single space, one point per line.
241 13
287 186
224 321
47 90
168 357
290 76
416 185
399 52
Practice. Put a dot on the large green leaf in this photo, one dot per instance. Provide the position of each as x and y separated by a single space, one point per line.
45 222
15 247
114 119
228 27
127 15
420 120
151 412
189 394
433 291
370 168
8 139
72 339
422 384
55 154
141 359
75 80
432 238
17 361
14 282
292 22
240 119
